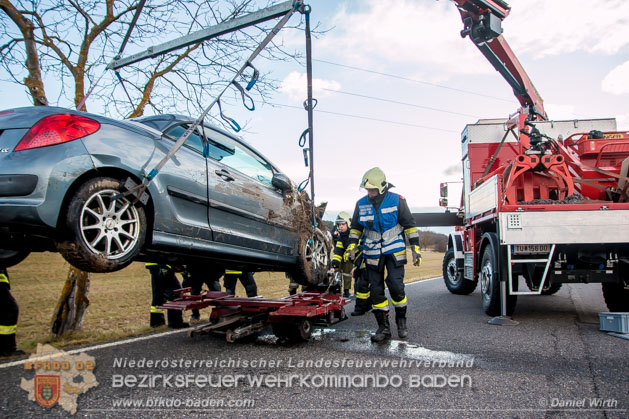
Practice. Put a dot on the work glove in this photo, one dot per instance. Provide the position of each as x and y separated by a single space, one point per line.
417 257
350 253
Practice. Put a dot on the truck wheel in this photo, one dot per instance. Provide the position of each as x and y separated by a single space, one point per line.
534 282
616 297
489 278
10 258
453 278
102 234
314 256
553 289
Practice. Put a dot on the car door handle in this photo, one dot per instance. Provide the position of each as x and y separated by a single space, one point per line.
224 174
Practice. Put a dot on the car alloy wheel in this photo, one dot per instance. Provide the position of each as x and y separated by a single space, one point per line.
109 227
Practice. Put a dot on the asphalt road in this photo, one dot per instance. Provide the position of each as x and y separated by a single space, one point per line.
555 362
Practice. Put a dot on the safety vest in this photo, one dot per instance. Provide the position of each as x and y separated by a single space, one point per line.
382 233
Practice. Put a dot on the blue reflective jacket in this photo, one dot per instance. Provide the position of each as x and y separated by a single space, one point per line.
382 232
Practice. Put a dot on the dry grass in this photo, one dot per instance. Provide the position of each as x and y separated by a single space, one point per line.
119 301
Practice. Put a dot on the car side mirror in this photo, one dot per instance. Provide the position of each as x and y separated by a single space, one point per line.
281 182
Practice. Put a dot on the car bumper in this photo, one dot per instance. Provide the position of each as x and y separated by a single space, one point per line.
34 183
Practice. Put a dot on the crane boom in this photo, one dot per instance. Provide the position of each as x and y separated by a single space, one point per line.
482 20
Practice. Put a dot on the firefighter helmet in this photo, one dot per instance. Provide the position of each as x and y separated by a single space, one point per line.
374 179
343 217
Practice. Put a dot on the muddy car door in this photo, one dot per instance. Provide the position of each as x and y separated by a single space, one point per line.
183 202
245 208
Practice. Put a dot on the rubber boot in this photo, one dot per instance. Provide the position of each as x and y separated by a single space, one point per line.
175 319
400 321
8 346
384 329
361 307
195 315
157 319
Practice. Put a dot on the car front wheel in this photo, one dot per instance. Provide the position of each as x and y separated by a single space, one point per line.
314 258
102 234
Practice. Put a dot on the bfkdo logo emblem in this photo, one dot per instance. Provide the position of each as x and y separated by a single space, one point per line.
47 389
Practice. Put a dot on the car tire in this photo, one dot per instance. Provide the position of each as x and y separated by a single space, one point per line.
453 278
616 297
489 278
314 258
10 257
102 234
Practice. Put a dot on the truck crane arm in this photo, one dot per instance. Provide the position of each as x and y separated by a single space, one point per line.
482 20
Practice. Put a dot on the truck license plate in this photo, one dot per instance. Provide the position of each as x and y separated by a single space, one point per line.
529 249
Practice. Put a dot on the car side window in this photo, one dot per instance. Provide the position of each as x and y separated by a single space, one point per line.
233 154
194 141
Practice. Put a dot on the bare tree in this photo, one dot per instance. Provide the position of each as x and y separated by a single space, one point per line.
68 43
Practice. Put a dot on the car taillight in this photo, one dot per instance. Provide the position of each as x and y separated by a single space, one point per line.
57 129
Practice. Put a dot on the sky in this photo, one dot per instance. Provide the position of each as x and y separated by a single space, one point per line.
396 84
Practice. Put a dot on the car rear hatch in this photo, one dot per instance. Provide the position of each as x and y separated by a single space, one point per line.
14 124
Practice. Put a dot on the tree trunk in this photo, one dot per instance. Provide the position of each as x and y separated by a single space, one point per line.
68 315
34 80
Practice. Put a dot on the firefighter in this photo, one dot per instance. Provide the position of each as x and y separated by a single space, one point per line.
8 317
361 285
163 283
339 263
246 279
197 275
384 220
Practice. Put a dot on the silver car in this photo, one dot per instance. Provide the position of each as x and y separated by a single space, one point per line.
216 201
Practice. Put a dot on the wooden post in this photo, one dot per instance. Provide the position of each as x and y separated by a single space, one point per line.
68 315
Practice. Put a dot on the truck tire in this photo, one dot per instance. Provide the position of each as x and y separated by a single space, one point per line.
616 297
553 289
453 278
538 271
101 234
489 278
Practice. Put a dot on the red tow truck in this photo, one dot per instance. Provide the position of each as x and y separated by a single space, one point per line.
544 202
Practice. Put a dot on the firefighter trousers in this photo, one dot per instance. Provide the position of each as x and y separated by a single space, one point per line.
361 288
247 281
163 283
8 319
197 275
394 280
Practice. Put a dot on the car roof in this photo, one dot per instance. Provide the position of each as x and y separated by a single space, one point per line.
162 121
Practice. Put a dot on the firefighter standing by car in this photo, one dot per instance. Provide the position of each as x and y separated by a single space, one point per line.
344 267
246 279
197 274
361 284
384 219
8 317
163 283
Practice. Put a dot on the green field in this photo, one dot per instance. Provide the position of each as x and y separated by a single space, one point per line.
120 301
